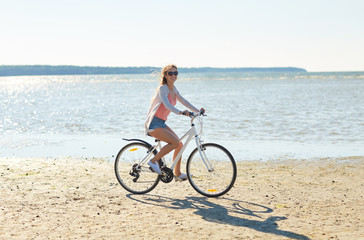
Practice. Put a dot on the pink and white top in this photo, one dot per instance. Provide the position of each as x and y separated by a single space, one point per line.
163 99
162 111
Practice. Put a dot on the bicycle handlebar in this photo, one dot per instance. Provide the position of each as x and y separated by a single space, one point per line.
194 115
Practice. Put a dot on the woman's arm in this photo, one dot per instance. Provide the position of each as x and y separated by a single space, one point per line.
163 94
185 102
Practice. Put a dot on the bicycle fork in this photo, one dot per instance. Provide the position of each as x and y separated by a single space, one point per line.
201 150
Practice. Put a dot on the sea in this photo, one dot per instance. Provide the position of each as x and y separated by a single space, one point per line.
256 116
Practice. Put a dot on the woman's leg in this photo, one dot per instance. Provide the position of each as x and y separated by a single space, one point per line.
167 136
177 169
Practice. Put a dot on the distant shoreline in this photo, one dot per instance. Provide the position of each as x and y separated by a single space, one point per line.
33 70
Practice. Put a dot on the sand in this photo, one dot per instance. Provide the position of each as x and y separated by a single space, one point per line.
75 198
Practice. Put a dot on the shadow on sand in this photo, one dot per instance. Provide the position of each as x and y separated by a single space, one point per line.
231 214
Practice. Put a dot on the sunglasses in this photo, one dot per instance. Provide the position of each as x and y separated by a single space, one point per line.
172 73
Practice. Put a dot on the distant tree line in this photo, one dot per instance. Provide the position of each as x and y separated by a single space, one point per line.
28 70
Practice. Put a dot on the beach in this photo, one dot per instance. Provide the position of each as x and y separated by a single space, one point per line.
79 198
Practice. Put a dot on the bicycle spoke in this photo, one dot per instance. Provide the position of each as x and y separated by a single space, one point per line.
216 182
131 176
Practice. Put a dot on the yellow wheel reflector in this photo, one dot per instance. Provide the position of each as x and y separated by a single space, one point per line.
133 149
212 190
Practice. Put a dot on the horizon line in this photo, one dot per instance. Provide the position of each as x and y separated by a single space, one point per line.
183 67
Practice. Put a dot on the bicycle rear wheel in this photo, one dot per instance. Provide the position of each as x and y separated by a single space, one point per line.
133 177
220 179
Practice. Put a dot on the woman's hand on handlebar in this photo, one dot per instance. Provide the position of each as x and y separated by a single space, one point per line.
185 112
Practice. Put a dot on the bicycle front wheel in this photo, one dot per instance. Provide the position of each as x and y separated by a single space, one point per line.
132 176
215 173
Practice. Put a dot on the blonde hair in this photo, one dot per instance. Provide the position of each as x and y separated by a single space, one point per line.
164 73
163 77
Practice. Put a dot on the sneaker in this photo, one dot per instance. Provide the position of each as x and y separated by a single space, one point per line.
155 167
180 178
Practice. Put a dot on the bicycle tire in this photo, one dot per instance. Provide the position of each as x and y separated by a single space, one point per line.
215 183
126 174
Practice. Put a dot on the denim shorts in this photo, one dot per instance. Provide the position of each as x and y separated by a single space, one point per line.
156 123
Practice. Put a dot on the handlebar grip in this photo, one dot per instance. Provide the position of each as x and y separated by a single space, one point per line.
201 113
189 114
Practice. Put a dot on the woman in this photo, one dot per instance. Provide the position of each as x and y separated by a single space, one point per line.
162 104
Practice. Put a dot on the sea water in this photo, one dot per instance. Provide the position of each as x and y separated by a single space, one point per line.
257 116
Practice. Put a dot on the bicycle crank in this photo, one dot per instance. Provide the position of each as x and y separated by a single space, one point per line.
167 175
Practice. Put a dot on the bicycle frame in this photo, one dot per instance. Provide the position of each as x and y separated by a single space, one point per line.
190 134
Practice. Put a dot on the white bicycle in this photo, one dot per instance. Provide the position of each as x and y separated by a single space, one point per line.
210 168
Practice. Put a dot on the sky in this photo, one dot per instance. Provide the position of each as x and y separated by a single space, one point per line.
318 35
